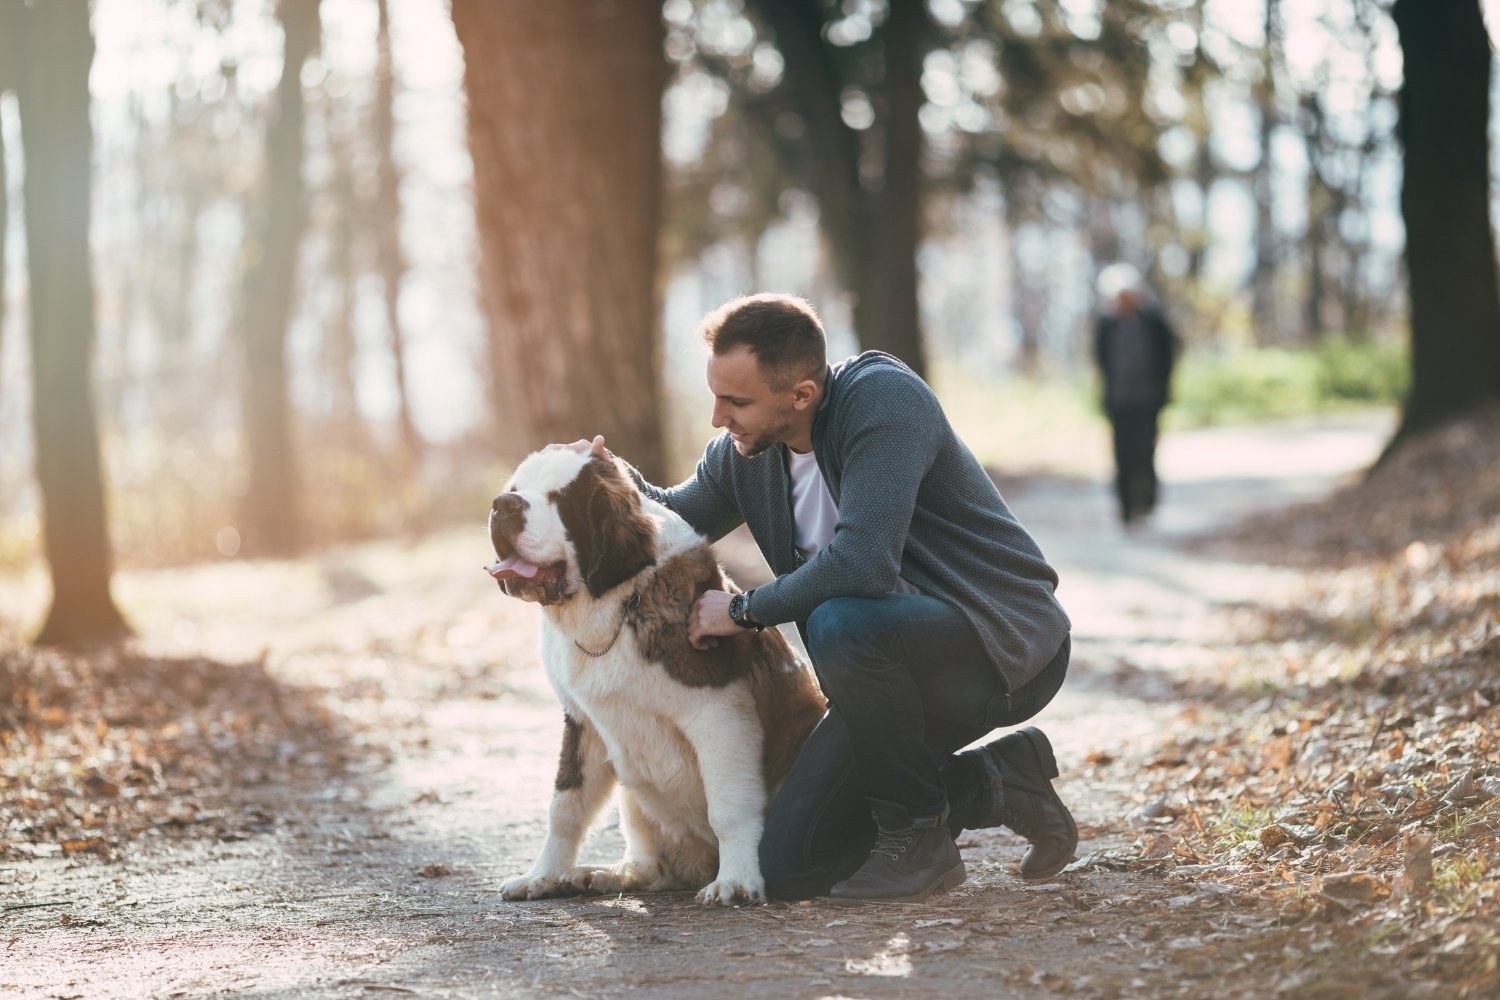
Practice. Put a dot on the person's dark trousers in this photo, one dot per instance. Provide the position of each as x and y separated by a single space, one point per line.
908 683
1135 461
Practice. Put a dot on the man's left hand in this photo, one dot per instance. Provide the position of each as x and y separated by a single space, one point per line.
711 618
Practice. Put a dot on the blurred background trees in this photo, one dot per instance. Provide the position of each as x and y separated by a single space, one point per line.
353 257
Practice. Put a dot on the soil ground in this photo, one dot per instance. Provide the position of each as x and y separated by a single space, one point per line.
366 745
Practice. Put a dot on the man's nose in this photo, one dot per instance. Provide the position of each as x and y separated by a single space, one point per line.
718 420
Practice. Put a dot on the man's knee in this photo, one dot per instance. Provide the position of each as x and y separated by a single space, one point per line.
835 624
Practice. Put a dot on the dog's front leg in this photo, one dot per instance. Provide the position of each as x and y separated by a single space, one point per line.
727 738
584 781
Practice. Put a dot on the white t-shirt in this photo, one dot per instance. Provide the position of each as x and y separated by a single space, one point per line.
813 510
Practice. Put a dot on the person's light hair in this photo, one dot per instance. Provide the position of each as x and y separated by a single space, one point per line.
1115 280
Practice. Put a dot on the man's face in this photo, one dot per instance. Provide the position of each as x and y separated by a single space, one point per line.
755 415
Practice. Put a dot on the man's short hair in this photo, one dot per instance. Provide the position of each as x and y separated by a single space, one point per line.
781 331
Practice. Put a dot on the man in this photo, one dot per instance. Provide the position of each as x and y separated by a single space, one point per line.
1134 348
926 608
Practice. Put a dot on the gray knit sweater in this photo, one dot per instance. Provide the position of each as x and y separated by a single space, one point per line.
913 502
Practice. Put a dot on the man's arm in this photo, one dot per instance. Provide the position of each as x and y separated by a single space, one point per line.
699 499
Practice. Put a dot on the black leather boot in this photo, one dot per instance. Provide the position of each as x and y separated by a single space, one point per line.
913 857
1016 791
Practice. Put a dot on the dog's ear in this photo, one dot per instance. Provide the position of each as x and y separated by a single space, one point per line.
613 537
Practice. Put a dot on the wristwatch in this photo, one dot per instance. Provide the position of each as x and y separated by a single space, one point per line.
739 611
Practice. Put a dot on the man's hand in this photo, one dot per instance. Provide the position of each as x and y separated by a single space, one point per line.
583 445
710 618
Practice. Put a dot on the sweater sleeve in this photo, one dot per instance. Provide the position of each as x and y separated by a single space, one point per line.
701 500
884 436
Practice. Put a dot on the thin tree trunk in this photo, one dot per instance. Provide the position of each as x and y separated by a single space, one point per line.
9 49
391 262
272 511
564 128
340 348
57 140
1320 205
6 28
894 322
1450 245
1264 314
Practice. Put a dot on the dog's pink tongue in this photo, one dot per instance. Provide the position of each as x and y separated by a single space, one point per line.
511 567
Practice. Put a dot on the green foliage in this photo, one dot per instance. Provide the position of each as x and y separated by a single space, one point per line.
1269 382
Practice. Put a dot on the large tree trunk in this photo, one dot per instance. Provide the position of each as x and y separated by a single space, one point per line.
564 128
272 511
872 231
1450 246
53 92
391 262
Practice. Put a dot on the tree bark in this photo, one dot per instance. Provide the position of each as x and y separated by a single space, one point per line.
870 215
271 518
892 321
564 129
57 140
1265 317
1450 245
391 261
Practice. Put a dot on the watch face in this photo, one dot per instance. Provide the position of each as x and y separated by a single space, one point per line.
737 607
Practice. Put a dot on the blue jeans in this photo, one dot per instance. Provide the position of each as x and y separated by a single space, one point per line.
908 684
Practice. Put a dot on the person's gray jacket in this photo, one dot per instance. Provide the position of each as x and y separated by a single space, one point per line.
912 501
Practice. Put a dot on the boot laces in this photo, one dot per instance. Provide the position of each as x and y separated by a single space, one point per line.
892 845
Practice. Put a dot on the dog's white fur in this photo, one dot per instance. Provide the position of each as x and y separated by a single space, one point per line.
687 759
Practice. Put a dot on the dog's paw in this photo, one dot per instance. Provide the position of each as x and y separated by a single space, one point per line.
538 885
730 891
625 876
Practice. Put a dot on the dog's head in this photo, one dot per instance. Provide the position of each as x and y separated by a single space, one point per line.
568 520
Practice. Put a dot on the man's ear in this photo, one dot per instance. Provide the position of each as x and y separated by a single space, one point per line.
803 394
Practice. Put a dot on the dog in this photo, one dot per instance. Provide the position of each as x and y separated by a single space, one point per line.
697 740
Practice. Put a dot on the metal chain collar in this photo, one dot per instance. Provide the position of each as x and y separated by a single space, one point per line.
629 606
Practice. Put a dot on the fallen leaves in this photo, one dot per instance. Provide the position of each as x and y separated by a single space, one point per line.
1360 794
101 750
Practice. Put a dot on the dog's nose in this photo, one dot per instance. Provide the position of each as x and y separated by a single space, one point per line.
508 504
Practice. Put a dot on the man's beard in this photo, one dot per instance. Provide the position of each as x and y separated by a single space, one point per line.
758 446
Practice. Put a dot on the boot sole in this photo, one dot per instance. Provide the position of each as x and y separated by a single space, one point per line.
1043 748
951 879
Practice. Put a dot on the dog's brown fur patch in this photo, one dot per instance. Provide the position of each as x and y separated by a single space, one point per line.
612 537
570 757
786 695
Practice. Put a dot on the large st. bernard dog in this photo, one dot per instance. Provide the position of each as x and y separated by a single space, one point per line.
698 740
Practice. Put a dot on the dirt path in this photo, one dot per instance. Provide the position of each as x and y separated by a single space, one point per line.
365 861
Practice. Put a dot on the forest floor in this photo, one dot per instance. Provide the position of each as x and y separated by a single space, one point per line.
308 779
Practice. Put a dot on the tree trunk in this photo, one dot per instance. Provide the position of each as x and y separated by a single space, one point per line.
1265 317
1450 246
565 128
57 139
9 50
391 262
893 323
872 226
271 518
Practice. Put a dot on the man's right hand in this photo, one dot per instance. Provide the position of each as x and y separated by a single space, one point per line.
584 445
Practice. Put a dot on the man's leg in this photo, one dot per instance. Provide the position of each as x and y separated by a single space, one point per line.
818 828
1008 781
1119 426
868 654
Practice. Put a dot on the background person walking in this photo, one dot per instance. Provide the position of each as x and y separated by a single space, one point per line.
1135 349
